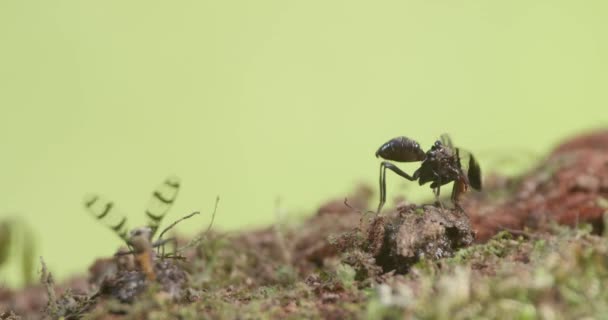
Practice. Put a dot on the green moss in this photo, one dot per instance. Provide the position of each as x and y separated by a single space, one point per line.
499 246
346 275
561 273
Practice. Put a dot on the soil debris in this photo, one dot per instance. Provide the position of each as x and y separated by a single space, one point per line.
398 241
125 285
430 233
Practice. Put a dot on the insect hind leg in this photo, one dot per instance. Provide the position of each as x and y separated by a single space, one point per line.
387 165
437 193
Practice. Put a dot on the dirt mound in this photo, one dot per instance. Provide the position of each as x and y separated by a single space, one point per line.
429 232
396 242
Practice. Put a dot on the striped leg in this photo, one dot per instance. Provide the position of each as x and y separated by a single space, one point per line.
105 213
161 201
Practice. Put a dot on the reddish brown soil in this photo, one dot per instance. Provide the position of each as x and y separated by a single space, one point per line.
570 187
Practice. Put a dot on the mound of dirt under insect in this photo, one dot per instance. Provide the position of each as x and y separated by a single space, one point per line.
419 233
396 242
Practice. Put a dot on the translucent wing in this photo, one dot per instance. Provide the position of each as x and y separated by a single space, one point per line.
104 211
446 140
471 167
161 201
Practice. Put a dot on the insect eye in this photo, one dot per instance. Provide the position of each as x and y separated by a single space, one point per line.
137 233
437 143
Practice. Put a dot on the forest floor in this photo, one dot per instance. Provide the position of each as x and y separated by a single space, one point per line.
527 247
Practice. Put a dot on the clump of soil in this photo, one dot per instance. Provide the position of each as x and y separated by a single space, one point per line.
429 232
126 285
396 242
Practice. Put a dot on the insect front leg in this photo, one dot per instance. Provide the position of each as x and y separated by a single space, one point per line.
387 165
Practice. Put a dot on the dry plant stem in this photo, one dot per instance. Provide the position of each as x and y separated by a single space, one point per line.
217 201
176 222
363 214
280 236
160 246
194 242
155 244
160 243
47 281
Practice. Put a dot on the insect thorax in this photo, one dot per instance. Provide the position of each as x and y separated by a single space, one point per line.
444 163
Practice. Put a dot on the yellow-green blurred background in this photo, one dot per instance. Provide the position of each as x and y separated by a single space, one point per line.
255 100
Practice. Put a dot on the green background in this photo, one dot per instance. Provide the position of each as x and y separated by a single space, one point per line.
259 100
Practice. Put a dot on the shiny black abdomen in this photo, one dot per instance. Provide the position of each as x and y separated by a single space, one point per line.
401 149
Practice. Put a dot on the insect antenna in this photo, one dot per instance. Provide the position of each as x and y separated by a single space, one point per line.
446 140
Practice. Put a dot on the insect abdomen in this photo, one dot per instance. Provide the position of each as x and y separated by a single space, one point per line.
401 149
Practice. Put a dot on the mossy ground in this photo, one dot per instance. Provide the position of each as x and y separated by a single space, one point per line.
326 267
559 273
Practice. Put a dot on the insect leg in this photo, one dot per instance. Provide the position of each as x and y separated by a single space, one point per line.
387 165
438 192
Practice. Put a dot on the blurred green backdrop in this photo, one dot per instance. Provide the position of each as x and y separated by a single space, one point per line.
254 100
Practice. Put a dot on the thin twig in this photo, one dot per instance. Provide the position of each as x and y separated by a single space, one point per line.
46 278
161 249
217 200
357 210
363 214
197 240
174 256
161 242
176 222
280 235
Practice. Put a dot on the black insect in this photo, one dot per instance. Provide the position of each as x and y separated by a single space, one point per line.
442 164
